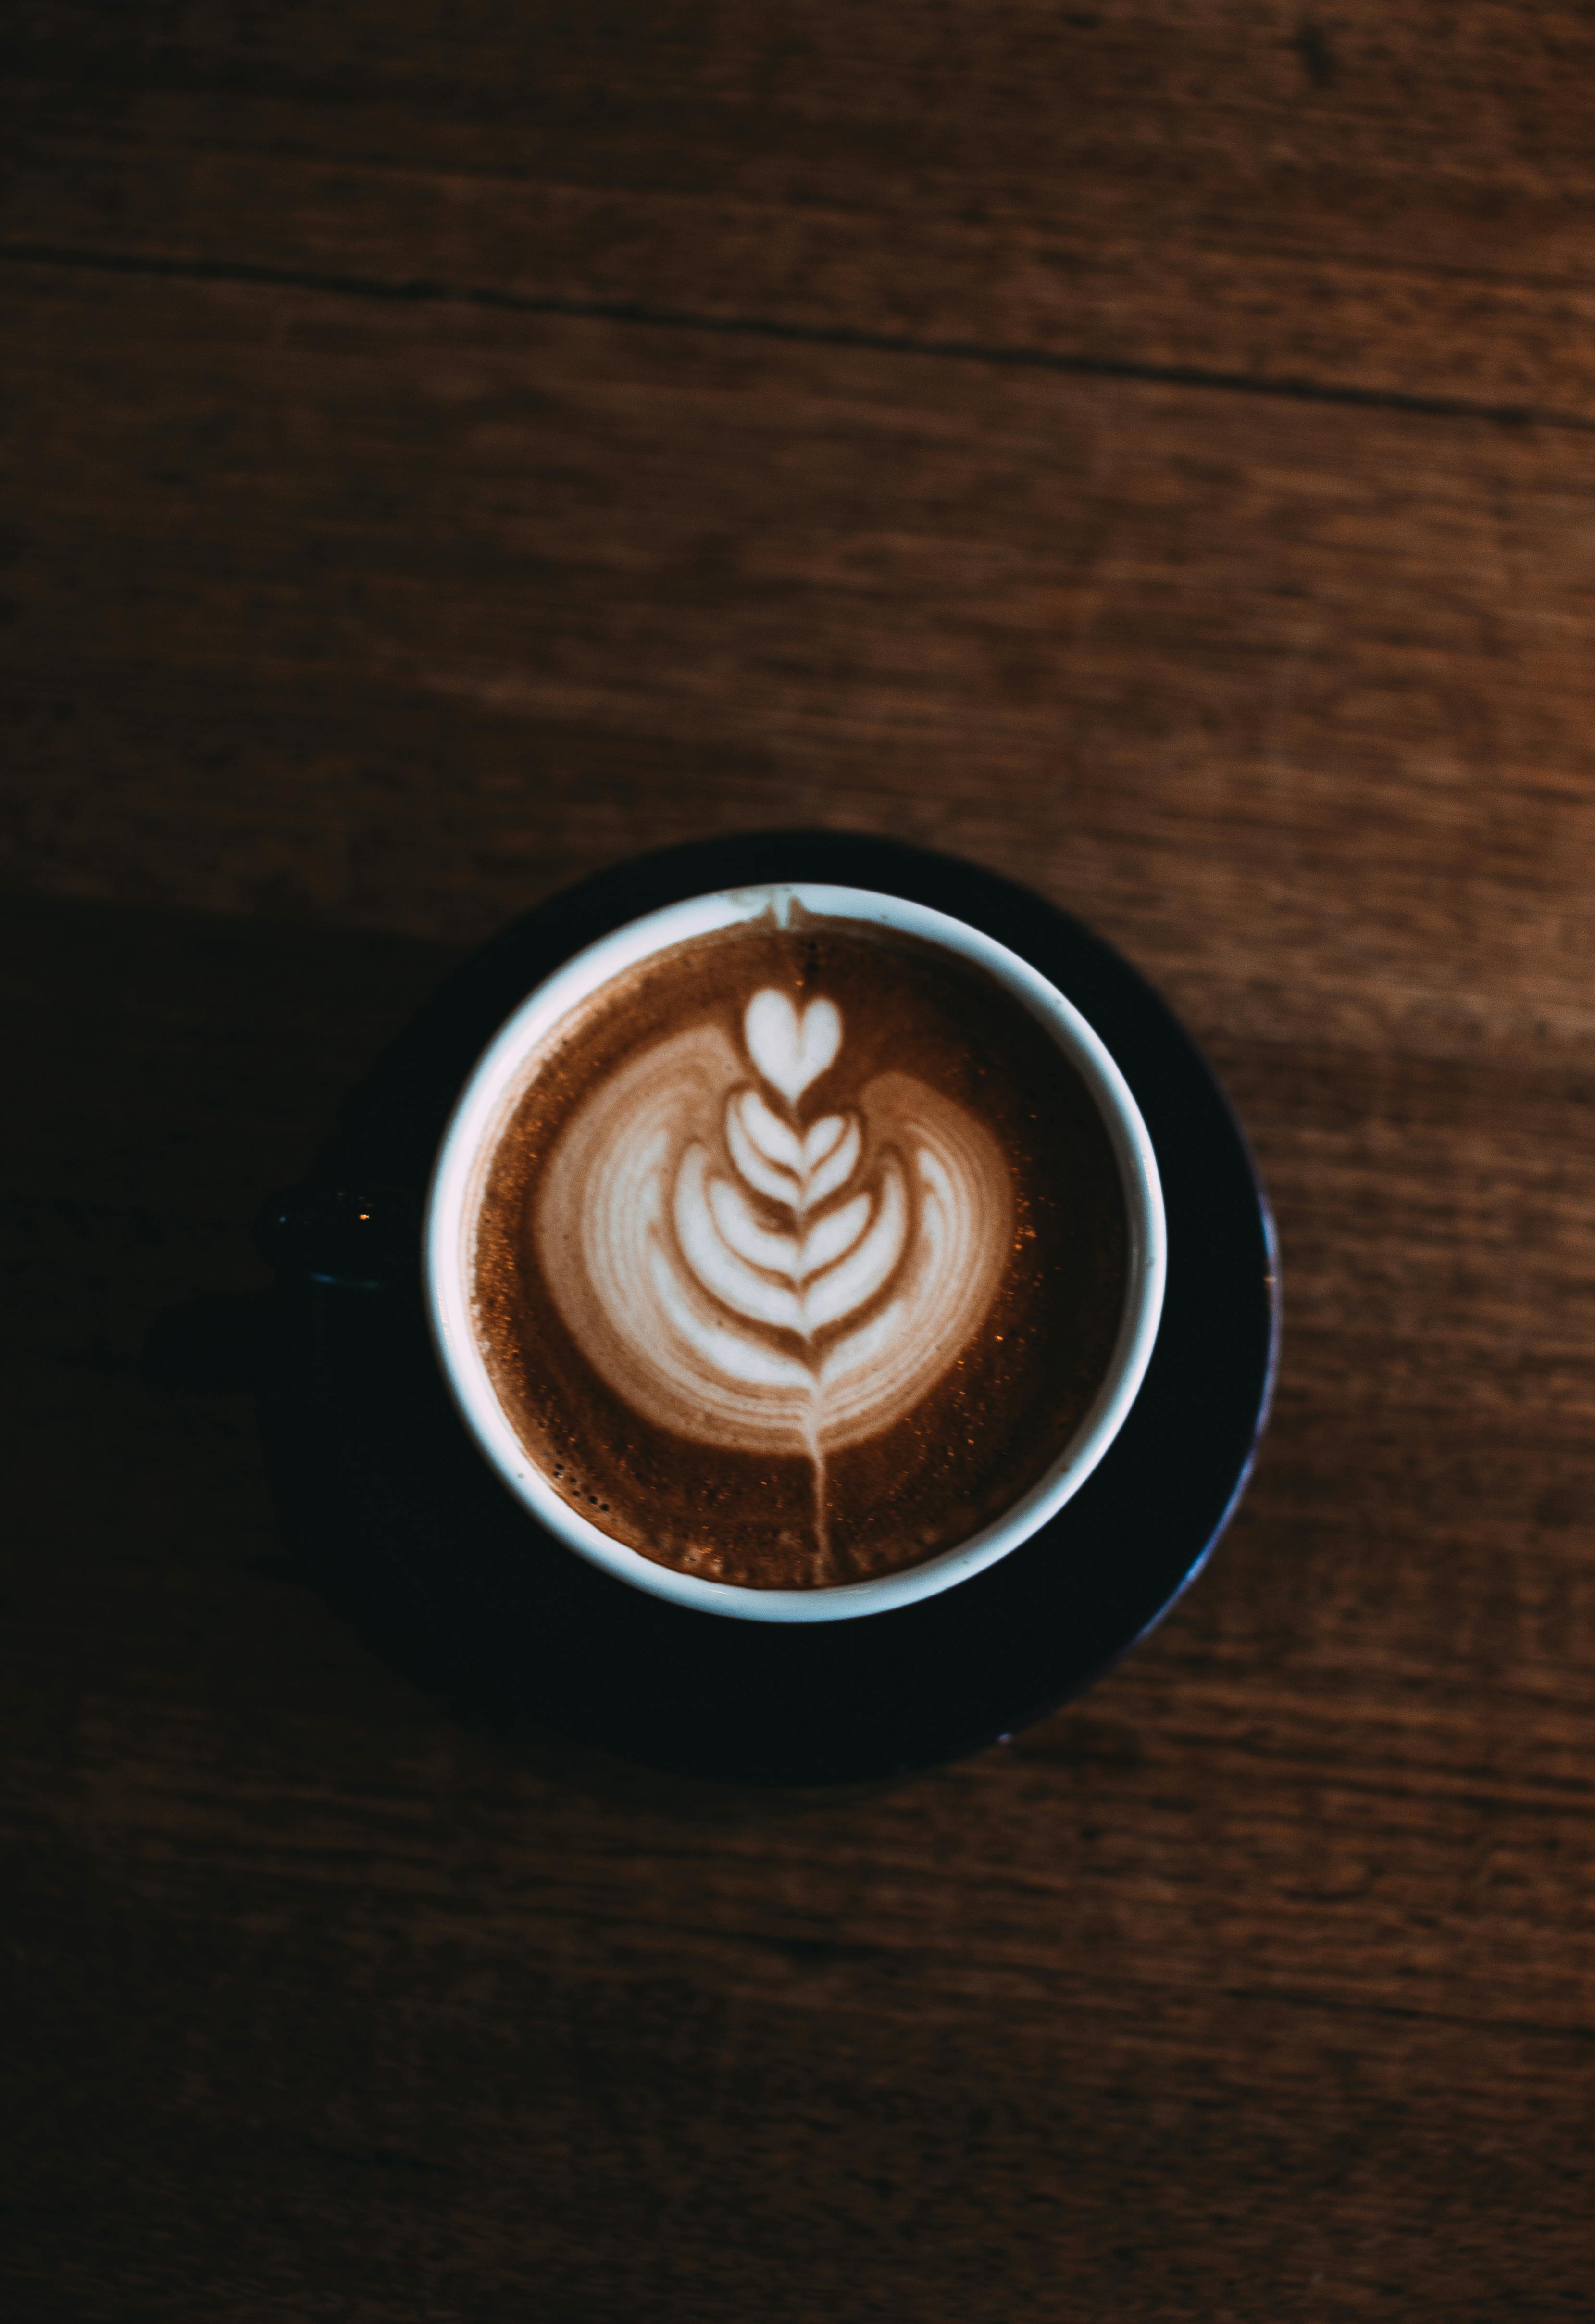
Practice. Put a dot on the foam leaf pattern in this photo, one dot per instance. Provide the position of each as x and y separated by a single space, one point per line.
745 1277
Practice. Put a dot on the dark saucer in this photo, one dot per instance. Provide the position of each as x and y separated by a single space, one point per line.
395 1515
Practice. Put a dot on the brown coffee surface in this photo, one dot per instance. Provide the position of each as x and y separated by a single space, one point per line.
801 1254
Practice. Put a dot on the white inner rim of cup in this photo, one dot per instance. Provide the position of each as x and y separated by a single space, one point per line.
502 1077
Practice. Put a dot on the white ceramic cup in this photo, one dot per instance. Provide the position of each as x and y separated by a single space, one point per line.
500 1079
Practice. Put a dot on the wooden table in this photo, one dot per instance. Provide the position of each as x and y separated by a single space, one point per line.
1148 449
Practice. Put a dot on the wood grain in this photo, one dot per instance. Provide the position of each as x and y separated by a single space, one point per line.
1148 450
326 609
1379 200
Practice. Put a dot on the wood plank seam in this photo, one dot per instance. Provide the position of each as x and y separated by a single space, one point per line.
425 292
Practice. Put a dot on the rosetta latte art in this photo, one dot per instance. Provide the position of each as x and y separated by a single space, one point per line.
746 1276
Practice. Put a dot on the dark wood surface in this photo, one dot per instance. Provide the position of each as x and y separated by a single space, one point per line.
1148 449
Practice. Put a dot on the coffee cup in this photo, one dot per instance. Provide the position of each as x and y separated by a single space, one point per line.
724 1223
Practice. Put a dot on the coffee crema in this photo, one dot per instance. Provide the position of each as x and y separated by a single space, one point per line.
801 1254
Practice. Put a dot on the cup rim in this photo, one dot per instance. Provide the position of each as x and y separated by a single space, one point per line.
499 1080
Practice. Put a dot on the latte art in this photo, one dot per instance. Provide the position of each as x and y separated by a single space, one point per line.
800 1255
749 1272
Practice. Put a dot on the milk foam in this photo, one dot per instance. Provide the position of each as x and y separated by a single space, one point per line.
747 1270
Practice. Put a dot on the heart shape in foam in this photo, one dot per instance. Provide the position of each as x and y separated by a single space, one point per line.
791 1051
